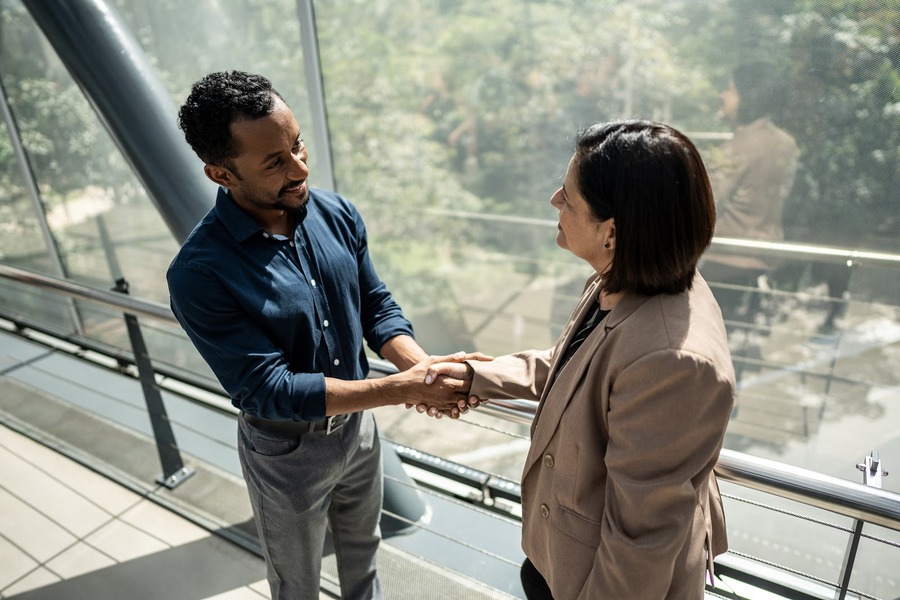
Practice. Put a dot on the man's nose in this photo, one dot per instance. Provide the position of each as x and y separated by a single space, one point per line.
299 168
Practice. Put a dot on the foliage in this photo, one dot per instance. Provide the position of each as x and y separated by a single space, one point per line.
440 109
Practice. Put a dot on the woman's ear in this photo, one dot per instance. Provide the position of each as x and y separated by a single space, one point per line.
610 238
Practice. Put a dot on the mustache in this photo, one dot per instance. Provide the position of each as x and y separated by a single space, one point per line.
290 185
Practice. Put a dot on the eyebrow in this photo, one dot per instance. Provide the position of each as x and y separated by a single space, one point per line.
272 155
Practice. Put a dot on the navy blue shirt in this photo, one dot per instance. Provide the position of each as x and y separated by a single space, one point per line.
274 316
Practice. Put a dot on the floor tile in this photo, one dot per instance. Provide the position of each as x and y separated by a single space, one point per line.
35 534
78 560
38 578
15 562
163 524
124 542
244 593
45 494
105 493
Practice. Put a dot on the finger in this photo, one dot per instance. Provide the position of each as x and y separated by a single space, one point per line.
455 357
443 368
478 356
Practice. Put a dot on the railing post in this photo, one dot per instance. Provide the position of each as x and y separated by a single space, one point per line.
174 471
872 474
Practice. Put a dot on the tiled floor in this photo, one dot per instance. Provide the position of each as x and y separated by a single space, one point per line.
69 533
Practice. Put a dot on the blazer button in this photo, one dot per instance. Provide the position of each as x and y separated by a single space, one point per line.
545 512
548 461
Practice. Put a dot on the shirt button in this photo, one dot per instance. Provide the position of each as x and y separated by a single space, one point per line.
312 282
325 323
336 362
548 461
292 244
265 234
545 512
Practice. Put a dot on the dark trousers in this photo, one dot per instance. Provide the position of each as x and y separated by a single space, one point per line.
533 583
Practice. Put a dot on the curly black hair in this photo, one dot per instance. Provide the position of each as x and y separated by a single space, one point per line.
214 103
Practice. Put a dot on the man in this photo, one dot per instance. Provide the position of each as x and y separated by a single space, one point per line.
751 176
276 290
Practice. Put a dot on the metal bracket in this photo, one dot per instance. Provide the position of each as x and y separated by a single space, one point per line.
873 472
176 478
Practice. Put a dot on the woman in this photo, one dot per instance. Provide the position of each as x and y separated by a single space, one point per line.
619 499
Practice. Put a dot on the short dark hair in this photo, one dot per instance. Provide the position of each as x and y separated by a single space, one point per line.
650 178
761 89
214 103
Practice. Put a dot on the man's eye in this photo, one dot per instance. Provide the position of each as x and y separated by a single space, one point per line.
275 163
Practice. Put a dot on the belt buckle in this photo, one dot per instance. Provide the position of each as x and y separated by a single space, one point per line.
330 426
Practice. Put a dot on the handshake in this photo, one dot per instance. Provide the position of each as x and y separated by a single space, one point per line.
439 385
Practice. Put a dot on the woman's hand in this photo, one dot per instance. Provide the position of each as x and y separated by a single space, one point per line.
458 375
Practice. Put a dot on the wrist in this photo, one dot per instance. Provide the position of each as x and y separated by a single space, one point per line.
470 376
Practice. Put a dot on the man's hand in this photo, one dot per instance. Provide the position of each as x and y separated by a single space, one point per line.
443 396
459 375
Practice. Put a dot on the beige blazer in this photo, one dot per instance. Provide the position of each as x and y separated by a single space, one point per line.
619 499
751 176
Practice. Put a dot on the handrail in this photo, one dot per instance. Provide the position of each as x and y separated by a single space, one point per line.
846 498
136 306
781 248
857 501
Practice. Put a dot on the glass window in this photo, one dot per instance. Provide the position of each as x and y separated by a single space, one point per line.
452 124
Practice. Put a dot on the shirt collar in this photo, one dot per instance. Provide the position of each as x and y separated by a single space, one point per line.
239 224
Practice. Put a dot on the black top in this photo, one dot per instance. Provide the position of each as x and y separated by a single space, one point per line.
591 320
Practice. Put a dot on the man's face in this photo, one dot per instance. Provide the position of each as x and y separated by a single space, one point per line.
730 101
270 168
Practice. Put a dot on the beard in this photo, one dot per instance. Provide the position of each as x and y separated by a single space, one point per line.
281 201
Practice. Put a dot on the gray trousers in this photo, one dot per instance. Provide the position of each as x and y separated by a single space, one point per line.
300 484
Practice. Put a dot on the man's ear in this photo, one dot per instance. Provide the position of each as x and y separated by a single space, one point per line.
221 175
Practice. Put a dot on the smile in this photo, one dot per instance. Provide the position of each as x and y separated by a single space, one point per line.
296 189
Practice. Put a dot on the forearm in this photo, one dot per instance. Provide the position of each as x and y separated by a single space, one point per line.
521 375
353 396
406 387
403 351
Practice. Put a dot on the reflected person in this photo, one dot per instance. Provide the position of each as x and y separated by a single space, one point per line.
751 175
619 498
276 289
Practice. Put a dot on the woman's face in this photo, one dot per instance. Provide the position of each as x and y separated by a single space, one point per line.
578 231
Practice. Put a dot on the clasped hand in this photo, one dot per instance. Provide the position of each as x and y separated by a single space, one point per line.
451 377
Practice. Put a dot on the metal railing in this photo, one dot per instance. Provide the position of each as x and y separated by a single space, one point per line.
864 504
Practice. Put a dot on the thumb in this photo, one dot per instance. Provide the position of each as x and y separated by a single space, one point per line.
440 368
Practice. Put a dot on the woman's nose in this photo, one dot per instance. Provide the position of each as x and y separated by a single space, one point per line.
555 198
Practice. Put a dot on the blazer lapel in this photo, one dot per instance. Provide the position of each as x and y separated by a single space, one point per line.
590 293
549 412
549 421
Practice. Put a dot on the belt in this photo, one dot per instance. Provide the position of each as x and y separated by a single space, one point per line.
328 425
